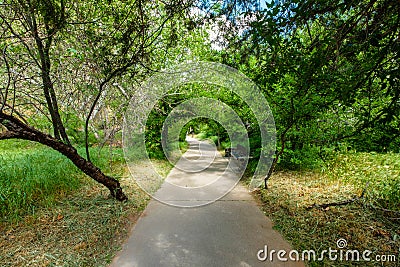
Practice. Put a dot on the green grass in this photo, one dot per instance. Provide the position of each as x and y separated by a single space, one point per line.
183 146
363 223
65 218
378 173
32 175
86 228
52 215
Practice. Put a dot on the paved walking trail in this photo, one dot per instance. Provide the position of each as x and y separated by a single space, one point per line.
228 232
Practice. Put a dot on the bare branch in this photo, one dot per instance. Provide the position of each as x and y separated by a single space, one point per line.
340 203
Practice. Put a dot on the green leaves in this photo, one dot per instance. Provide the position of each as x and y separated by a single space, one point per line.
313 56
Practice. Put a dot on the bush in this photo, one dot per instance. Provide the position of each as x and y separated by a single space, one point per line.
306 158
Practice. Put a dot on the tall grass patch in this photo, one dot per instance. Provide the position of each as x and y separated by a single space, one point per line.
85 228
32 176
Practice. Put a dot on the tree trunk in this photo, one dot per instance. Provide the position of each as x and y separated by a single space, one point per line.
16 129
43 47
278 155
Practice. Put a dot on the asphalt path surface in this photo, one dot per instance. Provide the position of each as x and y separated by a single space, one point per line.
207 219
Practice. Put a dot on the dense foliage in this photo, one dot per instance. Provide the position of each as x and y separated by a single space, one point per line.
329 69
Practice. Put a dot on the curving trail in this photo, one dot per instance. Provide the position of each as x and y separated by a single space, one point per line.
227 232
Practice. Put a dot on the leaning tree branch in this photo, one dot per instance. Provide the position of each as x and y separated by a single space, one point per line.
13 110
339 203
16 129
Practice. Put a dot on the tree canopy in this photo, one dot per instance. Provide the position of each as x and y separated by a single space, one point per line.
329 69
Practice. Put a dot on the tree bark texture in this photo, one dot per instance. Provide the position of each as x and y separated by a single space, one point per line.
16 129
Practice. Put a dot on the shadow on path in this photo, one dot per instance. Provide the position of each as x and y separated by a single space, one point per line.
228 232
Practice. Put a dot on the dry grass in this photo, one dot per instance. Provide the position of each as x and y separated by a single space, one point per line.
85 228
286 202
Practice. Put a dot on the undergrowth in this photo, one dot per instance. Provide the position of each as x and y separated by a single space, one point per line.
66 219
32 175
369 223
